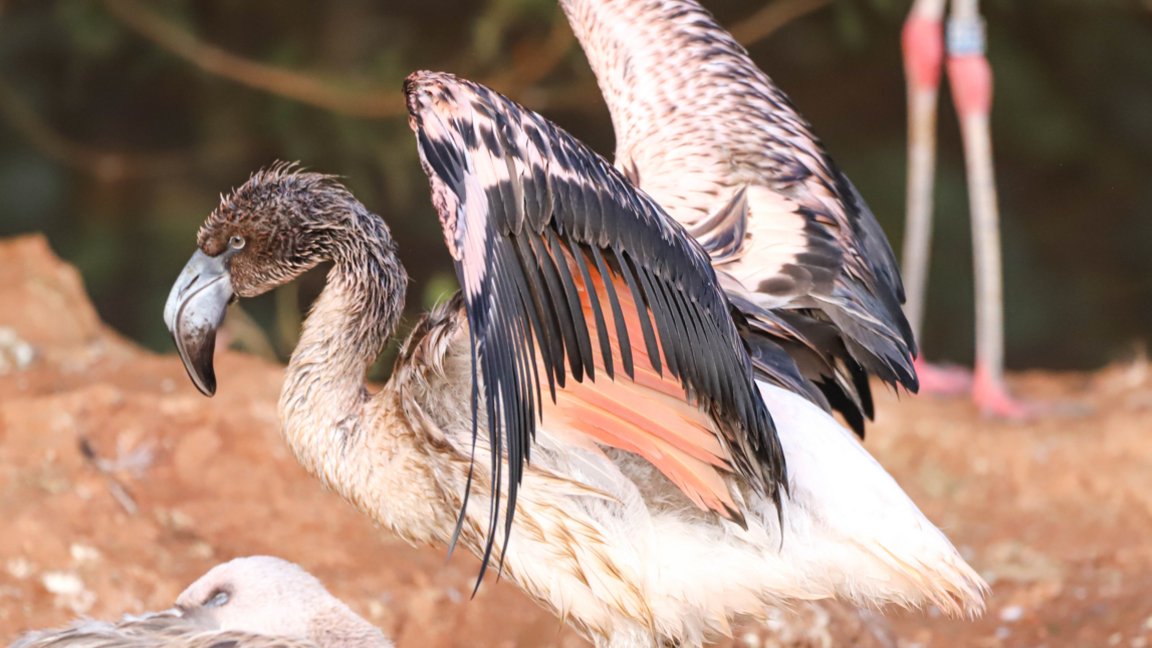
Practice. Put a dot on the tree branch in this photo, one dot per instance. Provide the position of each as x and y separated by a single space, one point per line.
530 63
275 80
529 67
772 17
105 165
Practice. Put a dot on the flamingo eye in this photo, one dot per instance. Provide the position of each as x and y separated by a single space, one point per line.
236 242
221 597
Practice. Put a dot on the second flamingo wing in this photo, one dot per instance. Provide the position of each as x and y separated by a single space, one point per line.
711 138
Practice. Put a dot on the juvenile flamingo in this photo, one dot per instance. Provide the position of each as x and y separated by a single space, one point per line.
254 602
591 362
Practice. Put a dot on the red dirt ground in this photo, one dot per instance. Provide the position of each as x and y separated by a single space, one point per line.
1057 515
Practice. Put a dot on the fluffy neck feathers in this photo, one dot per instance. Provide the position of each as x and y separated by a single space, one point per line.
322 403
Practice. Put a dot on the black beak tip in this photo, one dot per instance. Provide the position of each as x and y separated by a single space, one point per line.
198 363
208 387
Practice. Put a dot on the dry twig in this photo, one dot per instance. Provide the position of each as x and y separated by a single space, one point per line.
772 17
276 80
106 165
533 63
136 462
530 66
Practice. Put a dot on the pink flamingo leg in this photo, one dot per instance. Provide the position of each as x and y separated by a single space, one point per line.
942 379
971 79
923 42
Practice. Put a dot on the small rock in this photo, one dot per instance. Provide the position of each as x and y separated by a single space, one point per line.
20 568
62 583
202 550
174 519
1012 613
1115 638
1138 642
83 553
181 521
1003 633
69 591
454 595
751 639
15 354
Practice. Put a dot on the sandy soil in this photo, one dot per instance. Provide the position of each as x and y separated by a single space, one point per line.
120 484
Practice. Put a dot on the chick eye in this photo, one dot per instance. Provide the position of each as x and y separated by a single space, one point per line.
219 598
236 242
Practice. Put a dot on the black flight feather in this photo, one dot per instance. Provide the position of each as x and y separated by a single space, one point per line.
519 200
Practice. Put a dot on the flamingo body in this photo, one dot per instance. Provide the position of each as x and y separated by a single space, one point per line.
654 502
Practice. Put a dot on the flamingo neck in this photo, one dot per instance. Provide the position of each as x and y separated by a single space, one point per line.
340 627
323 402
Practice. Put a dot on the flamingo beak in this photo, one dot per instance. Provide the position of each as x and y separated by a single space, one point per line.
195 310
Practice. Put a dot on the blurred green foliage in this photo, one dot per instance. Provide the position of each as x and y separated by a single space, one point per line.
116 147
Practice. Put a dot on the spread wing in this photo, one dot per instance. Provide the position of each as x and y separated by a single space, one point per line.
708 135
574 282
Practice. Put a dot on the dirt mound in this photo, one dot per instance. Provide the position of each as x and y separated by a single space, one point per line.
120 484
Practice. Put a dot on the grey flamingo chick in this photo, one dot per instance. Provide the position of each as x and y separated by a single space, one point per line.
971 78
255 602
593 366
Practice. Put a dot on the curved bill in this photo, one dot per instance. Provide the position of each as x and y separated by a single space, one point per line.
194 311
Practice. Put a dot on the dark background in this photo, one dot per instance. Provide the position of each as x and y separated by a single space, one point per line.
122 120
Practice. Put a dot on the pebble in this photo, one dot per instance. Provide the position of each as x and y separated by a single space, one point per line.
63 583
20 568
454 595
15 354
1012 613
69 591
82 553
